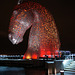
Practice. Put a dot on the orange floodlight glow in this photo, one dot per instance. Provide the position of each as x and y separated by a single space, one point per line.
42 53
49 56
28 57
34 56
24 57
48 52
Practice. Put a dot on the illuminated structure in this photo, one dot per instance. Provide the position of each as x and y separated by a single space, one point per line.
43 38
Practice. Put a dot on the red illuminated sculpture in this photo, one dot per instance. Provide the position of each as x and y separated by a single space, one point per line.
43 37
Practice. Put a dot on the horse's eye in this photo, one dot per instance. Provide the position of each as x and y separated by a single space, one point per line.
10 36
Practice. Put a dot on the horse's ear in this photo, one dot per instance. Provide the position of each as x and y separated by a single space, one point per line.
19 2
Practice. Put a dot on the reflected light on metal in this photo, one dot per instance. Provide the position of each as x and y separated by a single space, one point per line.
62 71
64 62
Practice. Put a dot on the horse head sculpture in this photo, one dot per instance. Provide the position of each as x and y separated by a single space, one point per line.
43 37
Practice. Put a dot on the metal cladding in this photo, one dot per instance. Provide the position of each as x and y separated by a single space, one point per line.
43 37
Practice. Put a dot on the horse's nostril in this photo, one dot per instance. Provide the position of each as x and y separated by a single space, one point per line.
14 41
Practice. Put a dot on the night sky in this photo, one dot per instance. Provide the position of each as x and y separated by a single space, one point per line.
63 12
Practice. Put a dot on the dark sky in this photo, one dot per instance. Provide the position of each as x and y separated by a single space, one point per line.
63 12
